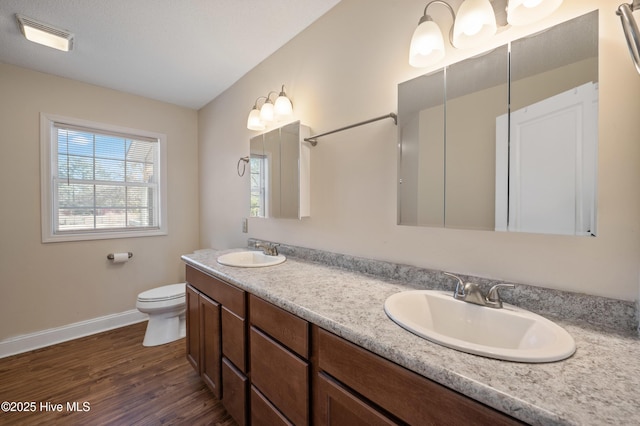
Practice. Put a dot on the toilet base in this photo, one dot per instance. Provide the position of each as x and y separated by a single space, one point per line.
164 328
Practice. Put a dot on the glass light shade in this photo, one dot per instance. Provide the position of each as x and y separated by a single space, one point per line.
474 24
283 107
427 45
254 122
266 112
523 12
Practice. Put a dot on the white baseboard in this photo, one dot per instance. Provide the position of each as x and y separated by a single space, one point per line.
40 339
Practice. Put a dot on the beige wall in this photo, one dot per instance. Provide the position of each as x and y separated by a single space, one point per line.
44 286
345 68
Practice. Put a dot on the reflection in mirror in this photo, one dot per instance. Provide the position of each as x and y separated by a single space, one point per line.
552 146
511 162
421 151
477 92
289 182
272 157
258 176
280 173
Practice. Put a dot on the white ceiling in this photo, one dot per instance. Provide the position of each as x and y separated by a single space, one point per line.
185 52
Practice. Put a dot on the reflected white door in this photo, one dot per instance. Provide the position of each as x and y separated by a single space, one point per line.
552 165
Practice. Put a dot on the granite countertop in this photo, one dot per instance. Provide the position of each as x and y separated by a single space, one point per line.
598 385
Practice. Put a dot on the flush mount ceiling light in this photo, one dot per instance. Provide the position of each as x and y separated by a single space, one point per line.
45 34
523 12
475 23
269 112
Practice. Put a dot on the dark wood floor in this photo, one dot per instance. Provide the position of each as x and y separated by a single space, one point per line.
122 382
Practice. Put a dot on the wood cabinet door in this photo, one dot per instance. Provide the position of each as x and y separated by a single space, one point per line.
336 405
193 327
236 392
210 353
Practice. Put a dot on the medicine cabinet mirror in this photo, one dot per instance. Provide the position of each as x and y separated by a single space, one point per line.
506 140
279 164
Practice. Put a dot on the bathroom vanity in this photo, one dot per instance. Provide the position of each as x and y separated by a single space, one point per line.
306 343
291 360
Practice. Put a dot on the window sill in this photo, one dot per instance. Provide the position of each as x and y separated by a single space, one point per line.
58 238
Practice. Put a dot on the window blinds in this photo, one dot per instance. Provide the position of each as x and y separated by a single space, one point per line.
103 180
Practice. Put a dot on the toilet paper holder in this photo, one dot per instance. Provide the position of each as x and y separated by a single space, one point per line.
110 256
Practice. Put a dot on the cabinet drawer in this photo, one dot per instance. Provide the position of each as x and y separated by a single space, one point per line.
407 395
235 391
338 406
226 294
286 328
233 339
281 376
263 413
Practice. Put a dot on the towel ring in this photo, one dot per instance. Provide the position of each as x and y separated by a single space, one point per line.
244 166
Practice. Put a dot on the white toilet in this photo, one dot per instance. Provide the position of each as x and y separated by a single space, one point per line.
166 309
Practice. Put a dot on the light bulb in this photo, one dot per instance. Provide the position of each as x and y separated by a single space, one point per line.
254 122
283 106
266 112
473 26
475 23
523 12
427 44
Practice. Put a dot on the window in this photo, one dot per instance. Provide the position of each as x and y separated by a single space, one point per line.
259 185
100 181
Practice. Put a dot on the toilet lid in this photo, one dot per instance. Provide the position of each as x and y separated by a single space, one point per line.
167 292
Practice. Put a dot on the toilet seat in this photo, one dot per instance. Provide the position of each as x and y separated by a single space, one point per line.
164 293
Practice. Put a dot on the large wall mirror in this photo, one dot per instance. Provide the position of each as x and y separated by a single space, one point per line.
279 164
506 140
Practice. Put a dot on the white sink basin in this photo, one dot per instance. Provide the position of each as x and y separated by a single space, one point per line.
510 333
250 259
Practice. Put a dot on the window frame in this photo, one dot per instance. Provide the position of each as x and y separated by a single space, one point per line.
48 136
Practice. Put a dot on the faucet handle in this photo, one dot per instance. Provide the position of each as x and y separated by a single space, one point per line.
493 297
270 249
459 291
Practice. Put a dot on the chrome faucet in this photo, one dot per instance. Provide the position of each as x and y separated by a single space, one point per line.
270 249
471 293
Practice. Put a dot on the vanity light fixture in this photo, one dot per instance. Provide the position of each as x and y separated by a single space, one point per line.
475 23
427 43
283 106
254 122
269 112
523 12
45 34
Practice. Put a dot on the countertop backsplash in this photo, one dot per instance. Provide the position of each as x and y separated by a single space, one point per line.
599 312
